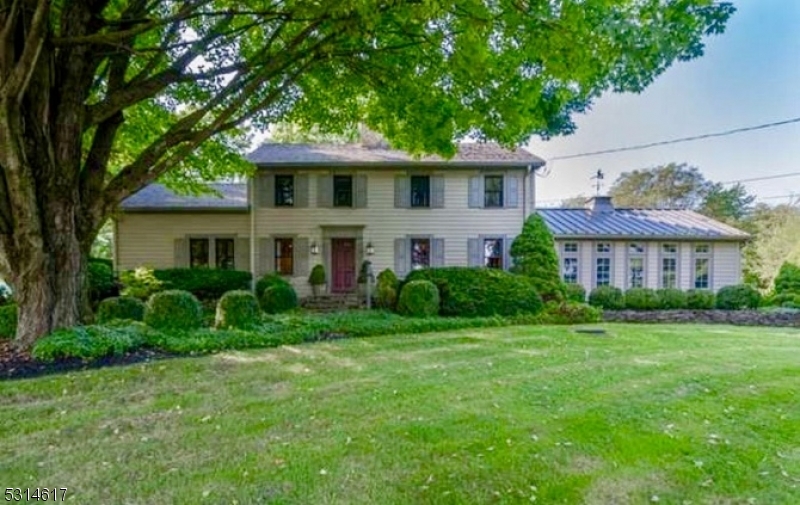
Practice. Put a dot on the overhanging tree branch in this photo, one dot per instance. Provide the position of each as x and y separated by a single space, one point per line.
17 83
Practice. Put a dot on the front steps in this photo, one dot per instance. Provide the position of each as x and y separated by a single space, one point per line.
332 302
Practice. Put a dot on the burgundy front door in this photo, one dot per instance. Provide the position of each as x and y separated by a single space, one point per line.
343 264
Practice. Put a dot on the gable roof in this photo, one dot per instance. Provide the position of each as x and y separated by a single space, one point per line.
468 155
637 223
157 197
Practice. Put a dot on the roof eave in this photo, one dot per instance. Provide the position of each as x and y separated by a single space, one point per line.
402 164
177 209
676 238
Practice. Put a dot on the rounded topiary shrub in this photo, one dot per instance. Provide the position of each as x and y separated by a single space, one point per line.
268 281
120 307
607 298
672 299
575 293
237 309
418 299
700 299
278 298
533 254
173 309
741 296
317 278
386 290
642 299
787 282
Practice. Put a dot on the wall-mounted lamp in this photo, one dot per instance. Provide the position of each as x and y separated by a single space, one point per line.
314 248
370 249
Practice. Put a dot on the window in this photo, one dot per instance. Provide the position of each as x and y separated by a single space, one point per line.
420 191
493 191
669 266
493 252
342 191
284 190
603 247
198 253
570 263
702 266
635 265
420 253
602 271
224 253
284 256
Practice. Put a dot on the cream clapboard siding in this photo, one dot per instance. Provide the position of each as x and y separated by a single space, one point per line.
145 239
726 266
383 223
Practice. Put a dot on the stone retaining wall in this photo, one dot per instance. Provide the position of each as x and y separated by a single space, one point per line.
736 317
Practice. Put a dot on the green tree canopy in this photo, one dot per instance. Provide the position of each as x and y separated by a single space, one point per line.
101 97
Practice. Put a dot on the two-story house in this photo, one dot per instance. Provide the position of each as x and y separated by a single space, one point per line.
338 205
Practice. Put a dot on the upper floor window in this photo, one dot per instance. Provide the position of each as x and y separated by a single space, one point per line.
571 247
420 191
420 253
284 190
493 252
342 191
603 247
284 256
493 191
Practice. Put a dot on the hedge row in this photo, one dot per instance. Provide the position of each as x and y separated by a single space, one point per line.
736 297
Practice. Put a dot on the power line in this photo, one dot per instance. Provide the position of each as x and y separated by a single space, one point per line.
764 178
679 140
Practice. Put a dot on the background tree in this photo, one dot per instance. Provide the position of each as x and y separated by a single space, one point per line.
79 79
671 186
776 239
533 254
729 205
291 133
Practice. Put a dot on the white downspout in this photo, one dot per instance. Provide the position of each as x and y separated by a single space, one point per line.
251 194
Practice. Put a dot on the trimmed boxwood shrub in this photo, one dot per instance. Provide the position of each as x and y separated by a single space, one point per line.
570 313
204 283
317 277
418 299
642 299
672 299
237 309
607 298
700 299
473 292
386 290
174 309
740 296
269 280
8 320
533 254
278 298
120 307
575 293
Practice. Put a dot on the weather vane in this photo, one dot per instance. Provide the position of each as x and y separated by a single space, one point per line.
598 178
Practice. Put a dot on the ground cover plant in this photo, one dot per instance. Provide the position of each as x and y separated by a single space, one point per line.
646 414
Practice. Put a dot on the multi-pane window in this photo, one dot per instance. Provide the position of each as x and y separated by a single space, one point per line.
635 265
669 266
342 191
493 191
702 266
284 256
284 190
420 191
602 264
198 253
493 252
223 248
570 263
420 253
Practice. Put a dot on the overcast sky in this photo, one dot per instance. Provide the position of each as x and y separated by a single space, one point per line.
750 75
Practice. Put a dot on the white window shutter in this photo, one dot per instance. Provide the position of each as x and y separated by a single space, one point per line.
301 190
324 191
265 189
402 192
301 257
475 252
437 252
242 254
476 192
511 191
437 192
401 257
181 253
360 190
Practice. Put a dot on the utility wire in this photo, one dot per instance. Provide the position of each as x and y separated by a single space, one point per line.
764 178
679 140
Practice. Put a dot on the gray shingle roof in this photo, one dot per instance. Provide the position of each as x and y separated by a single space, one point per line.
232 197
469 154
637 223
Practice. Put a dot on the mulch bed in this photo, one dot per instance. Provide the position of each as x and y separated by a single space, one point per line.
20 365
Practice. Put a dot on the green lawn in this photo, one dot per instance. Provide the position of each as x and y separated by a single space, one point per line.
667 414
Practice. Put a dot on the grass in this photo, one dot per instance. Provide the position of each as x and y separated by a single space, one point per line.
667 414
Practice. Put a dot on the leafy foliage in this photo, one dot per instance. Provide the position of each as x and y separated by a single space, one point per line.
672 299
776 232
8 320
570 312
787 281
268 281
92 342
237 309
386 290
121 307
607 297
533 254
174 309
741 296
100 275
204 283
140 283
575 293
642 299
418 299
365 271
278 298
317 276
700 299
474 292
